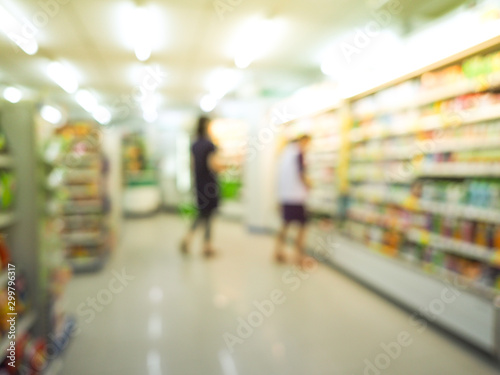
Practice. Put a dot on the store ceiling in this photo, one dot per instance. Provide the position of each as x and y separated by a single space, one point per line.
90 36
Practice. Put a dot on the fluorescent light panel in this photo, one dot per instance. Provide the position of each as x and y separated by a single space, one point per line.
102 115
61 75
255 39
208 103
222 81
86 100
12 94
144 34
18 32
51 114
150 116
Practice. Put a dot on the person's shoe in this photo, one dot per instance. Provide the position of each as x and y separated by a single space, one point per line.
279 258
209 252
184 247
300 260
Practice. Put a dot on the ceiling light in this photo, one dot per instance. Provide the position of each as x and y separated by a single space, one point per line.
12 94
61 75
328 67
143 34
150 108
243 61
255 39
150 102
17 32
102 115
51 114
222 81
150 116
86 100
208 103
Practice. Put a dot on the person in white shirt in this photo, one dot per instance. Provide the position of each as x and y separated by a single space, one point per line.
292 194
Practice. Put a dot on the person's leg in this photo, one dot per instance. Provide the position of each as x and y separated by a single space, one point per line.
279 254
301 235
207 247
186 242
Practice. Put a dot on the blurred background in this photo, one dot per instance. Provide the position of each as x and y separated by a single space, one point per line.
99 102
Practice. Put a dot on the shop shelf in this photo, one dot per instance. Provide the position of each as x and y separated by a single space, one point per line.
437 94
481 214
385 157
89 207
381 199
438 146
453 246
83 238
460 170
406 180
464 145
376 219
439 274
432 122
88 264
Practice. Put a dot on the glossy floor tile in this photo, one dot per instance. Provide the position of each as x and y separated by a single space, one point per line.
153 311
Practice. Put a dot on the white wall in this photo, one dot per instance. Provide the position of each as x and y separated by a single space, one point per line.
259 201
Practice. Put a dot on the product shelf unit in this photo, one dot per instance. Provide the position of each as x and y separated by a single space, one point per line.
32 234
78 181
424 180
437 133
12 227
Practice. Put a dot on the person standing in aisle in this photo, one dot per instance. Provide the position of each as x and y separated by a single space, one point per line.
292 194
205 166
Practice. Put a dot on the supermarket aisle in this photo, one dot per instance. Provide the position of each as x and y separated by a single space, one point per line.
166 314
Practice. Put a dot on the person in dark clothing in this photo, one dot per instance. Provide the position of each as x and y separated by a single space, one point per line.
205 167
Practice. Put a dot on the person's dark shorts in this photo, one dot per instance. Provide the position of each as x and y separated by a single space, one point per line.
294 213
